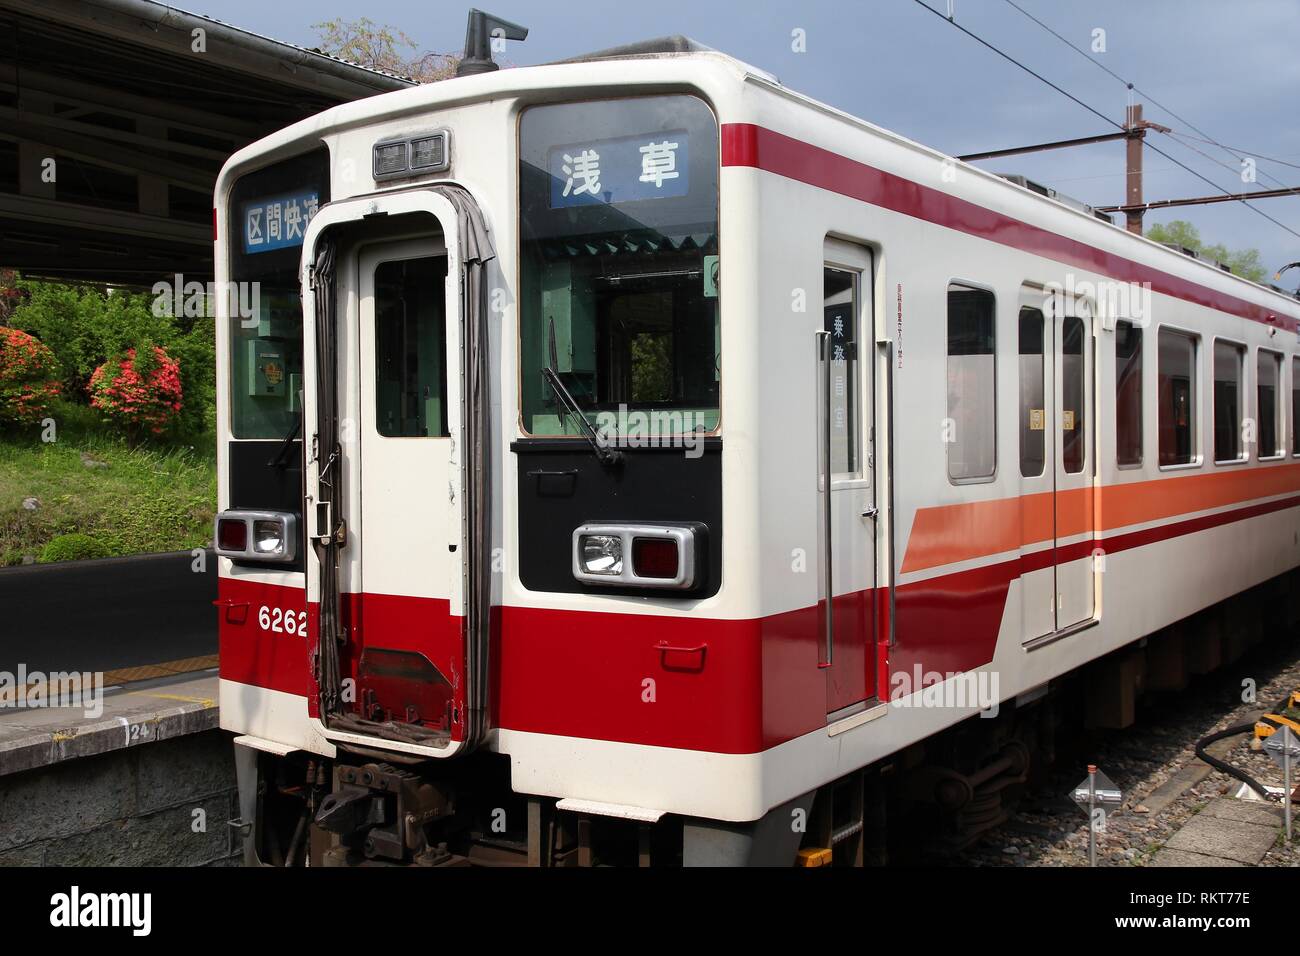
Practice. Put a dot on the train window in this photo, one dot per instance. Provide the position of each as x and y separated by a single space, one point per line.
619 267
1033 412
269 211
1268 396
1295 406
1074 445
1128 394
1228 361
840 310
410 348
1176 388
972 423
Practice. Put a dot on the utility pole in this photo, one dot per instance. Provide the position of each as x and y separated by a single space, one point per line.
1133 207
1135 129
1133 169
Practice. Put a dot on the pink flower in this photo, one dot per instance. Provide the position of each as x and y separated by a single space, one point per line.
148 401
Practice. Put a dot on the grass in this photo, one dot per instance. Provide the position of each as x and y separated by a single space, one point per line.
148 497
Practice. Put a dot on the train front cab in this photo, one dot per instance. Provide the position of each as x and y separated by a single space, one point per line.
491 580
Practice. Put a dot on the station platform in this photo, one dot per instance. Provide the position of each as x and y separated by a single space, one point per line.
146 780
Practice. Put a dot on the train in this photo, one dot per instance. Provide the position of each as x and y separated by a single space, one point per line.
630 460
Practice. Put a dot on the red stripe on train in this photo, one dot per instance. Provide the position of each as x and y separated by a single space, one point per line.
744 144
755 684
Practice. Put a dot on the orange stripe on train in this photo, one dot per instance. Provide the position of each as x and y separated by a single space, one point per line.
947 534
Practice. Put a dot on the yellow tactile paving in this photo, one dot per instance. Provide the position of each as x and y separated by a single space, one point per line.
129 675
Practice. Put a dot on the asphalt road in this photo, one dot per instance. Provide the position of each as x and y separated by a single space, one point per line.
107 615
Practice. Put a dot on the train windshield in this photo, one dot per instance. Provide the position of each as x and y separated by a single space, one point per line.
619 265
269 212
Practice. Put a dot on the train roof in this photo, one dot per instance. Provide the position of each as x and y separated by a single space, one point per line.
679 49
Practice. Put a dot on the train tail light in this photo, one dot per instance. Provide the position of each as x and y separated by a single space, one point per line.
232 535
634 555
654 557
270 536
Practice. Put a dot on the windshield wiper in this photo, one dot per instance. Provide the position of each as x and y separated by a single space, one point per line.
280 461
605 455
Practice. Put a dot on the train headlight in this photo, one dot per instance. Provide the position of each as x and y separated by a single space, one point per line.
602 554
390 159
405 158
429 153
268 537
257 536
636 555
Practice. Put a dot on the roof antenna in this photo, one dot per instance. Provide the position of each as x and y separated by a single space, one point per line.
481 32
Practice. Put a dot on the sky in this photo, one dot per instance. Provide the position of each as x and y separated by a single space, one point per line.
1226 67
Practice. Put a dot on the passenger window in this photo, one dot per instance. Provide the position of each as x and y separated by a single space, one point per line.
1128 394
410 348
1176 388
1268 396
1074 445
971 384
1228 361
840 309
1033 412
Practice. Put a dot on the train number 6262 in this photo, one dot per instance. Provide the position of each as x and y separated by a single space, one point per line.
279 621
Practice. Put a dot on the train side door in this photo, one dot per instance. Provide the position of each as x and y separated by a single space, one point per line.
1037 412
846 412
1057 462
1075 463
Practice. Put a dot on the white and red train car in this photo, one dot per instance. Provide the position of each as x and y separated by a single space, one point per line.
573 396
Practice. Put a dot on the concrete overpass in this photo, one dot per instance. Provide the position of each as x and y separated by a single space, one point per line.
137 105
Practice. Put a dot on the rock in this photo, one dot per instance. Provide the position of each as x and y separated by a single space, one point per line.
29 559
1010 850
90 461
31 504
1140 808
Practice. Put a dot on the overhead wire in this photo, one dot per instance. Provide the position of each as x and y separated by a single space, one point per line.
1103 116
1239 155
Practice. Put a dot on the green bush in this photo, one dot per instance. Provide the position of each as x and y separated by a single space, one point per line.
72 547
87 327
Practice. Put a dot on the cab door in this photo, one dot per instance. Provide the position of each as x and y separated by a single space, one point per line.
846 443
394 634
410 648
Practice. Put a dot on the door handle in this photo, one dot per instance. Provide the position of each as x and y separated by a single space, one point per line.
873 513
